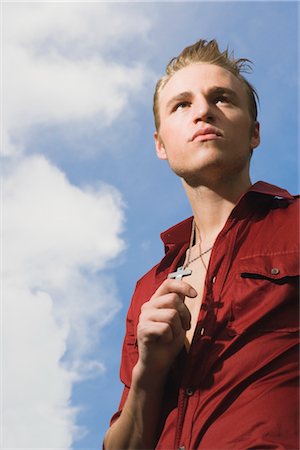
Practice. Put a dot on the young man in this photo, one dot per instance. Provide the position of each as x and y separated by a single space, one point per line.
210 357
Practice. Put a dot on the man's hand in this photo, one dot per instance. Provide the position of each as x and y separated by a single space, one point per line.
163 322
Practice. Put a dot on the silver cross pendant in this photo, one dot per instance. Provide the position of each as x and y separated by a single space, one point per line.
180 273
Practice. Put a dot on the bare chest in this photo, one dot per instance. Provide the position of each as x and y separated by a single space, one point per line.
197 280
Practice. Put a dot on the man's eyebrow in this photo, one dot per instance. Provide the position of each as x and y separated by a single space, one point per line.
212 90
223 90
179 97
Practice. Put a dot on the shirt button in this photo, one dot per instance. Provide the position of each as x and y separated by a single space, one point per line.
214 279
275 271
189 392
231 332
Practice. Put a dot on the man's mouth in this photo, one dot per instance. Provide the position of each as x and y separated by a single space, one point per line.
207 133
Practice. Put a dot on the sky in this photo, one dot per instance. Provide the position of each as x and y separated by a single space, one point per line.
84 197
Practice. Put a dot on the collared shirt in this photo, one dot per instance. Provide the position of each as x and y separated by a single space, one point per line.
236 388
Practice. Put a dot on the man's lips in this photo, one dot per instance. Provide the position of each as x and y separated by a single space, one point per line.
206 134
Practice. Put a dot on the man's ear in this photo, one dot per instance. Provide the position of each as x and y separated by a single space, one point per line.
159 145
255 136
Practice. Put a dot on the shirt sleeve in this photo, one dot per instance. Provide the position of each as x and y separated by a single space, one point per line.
129 357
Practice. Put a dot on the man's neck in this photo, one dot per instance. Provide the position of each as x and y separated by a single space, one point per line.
212 205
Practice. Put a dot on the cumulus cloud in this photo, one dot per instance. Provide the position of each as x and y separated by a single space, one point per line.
57 65
46 213
56 239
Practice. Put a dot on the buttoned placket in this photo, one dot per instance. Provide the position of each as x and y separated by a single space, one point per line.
188 396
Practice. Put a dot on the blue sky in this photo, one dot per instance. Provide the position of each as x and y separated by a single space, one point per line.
84 197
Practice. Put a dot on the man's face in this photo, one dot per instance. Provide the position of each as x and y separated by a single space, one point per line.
206 132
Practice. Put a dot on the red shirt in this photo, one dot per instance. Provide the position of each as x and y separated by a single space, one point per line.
237 388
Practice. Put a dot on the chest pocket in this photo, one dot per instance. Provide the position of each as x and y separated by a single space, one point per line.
266 294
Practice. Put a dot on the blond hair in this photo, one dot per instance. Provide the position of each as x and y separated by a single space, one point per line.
208 52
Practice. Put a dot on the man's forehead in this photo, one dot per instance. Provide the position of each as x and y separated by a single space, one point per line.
201 76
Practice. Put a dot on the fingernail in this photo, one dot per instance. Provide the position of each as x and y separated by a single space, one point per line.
193 293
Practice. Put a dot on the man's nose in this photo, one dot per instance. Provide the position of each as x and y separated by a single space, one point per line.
203 111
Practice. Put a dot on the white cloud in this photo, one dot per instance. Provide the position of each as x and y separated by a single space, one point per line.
57 68
47 214
60 66
56 236
36 388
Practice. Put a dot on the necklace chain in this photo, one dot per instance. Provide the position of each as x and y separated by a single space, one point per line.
199 256
184 271
189 261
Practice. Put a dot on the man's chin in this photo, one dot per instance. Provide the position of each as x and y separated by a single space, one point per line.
202 175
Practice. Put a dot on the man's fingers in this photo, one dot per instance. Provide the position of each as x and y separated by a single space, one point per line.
176 286
165 307
170 316
165 320
155 331
166 314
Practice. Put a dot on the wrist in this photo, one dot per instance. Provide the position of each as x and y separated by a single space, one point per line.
143 378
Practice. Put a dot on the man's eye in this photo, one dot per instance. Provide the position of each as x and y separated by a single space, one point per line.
181 105
222 99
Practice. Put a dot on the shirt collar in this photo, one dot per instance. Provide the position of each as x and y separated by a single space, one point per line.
262 187
180 233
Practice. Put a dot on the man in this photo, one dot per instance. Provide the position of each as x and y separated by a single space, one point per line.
210 357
